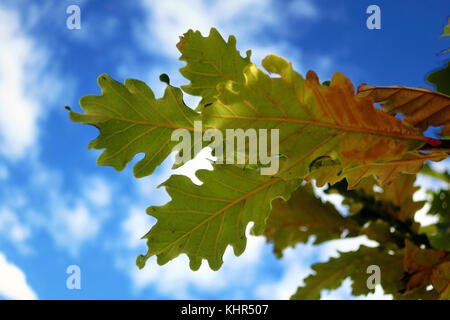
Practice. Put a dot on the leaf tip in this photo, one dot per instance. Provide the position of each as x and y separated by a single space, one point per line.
274 63
248 54
140 261
311 76
194 263
362 87
340 80
103 78
180 44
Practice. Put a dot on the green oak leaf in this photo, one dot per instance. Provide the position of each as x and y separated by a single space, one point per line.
131 120
210 61
202 221
440 205
302 216
379 231
318 125
439 233
441 79
330 275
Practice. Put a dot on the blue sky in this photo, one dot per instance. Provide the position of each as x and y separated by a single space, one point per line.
57 208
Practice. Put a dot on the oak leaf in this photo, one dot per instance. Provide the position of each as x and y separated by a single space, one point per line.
302 216
209 61
201 221
420 263
330 275
420 107
131 120
318 125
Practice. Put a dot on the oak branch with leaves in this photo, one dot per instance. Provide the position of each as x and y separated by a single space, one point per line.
328 134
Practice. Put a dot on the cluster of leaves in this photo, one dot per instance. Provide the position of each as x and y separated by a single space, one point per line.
327 133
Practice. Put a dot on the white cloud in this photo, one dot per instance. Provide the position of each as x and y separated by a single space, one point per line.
13 282
169 19
97 191
246 19
296 267
71 223
18 111
136 225
72 218
13 229
441 166
22 87
73 226
176 280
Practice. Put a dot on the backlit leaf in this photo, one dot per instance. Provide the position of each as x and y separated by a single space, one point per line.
409 163
131 120
210 61
329 275
440 278
439 232
302 216
318 125
400 193
420 107
202 221
419 264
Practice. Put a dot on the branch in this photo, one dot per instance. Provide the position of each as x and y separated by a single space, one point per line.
374 209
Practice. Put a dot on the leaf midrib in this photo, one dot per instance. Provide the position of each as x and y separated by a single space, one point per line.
329 125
